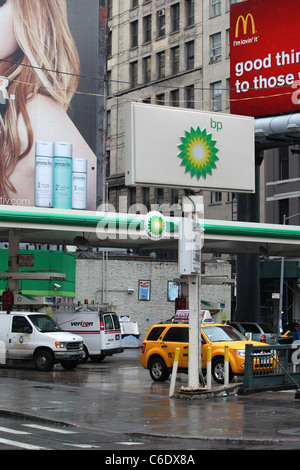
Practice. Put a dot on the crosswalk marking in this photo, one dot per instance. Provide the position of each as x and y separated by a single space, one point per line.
130 443
47 428
82 446
12 431
22 445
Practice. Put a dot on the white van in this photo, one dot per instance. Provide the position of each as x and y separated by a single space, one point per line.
101 332
29 336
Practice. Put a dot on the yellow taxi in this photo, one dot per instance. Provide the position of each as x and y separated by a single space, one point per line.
161 341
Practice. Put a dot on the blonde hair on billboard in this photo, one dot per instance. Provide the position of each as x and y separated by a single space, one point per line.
46 63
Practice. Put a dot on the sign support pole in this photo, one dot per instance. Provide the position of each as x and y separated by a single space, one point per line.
190 265
194 344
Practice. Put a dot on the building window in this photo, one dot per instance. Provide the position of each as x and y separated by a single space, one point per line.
174 196
134 74
107 164
134 3
175 60
228 3
228 93
190 12
109 43
283 210
284 163
146 198
216 197
161 23
160 196
215 47
134 33
132 196
108 83
161 66
174 98
109 9
147 69
215 7
227 42
160 99
190 96
175 17
190 55
147 28
216 96
108 124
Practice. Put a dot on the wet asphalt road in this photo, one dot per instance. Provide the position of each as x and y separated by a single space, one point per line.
114 405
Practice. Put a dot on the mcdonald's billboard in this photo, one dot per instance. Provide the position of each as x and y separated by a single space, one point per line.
264 57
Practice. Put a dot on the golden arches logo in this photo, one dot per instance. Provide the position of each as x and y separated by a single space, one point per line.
244 21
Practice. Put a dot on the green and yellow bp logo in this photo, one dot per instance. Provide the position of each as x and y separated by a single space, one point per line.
155 225
198 153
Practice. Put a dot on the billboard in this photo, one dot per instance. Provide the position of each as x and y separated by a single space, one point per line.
48 103
264 57
185 148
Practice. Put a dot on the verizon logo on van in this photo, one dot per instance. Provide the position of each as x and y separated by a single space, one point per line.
83 324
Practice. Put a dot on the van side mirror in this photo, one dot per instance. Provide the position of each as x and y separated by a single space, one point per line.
27 329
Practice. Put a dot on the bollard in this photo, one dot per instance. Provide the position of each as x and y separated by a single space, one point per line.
208 368
226 366
174 372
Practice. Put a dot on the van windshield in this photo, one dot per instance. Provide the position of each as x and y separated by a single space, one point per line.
44 324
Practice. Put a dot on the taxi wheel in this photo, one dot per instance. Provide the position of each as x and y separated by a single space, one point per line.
158 370
218 371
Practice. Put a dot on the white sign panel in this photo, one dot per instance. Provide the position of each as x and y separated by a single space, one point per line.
189 247
184 148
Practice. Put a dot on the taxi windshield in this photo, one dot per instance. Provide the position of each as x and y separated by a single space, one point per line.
216 333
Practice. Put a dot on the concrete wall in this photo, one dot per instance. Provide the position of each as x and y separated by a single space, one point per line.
109 280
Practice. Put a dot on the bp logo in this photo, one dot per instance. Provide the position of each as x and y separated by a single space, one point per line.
155 225
198 153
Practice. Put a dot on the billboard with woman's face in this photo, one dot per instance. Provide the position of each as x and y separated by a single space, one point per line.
48 104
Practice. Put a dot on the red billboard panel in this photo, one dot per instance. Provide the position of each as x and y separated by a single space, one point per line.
265 57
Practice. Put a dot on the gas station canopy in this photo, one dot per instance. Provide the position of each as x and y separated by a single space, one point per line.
121 230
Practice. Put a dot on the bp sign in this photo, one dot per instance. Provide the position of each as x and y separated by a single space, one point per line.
184 148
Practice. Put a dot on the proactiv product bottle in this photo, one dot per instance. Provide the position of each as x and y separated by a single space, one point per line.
43 174
62 175
79 183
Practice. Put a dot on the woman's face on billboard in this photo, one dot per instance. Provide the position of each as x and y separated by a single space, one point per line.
8 42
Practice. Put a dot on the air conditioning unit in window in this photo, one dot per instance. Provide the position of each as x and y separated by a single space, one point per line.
162 12
213 58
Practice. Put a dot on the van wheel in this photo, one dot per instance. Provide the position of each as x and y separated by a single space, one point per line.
158 370
218 371
43 360
85 355
99 358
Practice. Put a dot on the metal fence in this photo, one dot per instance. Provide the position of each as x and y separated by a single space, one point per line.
270 367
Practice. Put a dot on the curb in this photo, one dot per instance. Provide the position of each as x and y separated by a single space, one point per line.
203 393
